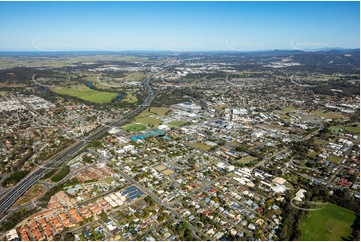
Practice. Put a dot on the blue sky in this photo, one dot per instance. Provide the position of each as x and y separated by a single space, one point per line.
178 26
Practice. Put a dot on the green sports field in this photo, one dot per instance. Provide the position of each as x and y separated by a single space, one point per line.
86 93
135 127
176 123
329 223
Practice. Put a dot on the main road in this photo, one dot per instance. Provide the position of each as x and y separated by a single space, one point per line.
11 196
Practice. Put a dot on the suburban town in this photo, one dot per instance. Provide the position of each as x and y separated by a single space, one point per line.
219 156
180 121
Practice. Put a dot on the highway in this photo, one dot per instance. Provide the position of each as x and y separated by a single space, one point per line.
17 191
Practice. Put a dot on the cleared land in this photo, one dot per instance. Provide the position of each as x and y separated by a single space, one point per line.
135 128
31 195
160 168
86 93
167 172
329 223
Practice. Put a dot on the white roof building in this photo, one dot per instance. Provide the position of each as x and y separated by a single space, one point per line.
300 195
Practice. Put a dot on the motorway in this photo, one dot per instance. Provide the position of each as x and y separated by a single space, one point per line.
16 192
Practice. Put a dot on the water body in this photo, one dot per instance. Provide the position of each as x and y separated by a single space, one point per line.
118 98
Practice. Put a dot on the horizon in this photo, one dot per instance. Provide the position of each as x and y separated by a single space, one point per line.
180 51
179 26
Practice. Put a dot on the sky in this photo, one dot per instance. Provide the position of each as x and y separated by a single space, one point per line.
178 26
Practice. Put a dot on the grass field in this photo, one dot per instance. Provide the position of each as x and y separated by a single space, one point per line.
109 180
353 130
160 111
86 93
288 109
247 159
334 159
146 117
284 116
336 128
320 142
154 111
149 121
135 76
332 115
176 123
202 146
130 98
135 127
329 223
312 154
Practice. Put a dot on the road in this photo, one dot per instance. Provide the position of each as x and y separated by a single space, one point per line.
261 163
17 191
157 199
302 85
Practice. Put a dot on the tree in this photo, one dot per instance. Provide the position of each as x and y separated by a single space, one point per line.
104 216
69 237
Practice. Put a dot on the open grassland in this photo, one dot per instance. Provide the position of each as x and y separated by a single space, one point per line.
353 130
288 109
135 76
284 116
202 146
160 111
332 115
130 98
86 93
148 121
135 127
247 159
334 159
109 180
320 142
312 154
336 128
176 123
331 223
154 111
148 117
